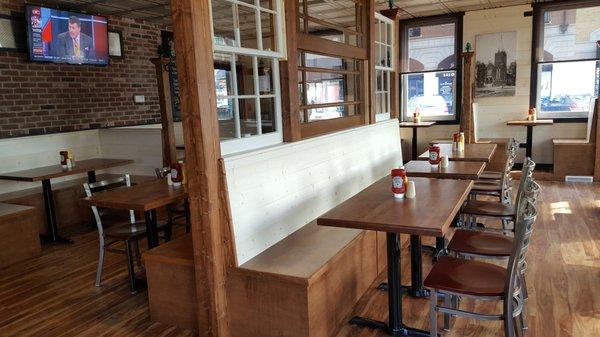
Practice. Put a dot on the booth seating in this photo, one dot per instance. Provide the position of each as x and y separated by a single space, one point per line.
171 283
291 278
19 237
576 157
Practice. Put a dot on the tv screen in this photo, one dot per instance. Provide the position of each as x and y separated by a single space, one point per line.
66 37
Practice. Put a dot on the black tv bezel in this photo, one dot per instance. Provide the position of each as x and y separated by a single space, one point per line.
29 42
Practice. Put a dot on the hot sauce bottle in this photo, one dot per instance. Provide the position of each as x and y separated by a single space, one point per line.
399 182
434 154
176 174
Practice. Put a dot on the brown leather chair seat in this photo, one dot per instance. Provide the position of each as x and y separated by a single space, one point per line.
491 175
467 277
488 209
128 231
480 243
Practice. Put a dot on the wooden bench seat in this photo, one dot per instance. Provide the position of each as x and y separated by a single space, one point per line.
171 282
19 236
577 157
305 285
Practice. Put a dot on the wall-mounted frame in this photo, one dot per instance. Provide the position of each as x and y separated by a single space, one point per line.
115 44
13 35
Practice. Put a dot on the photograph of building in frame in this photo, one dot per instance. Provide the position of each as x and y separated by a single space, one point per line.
496 64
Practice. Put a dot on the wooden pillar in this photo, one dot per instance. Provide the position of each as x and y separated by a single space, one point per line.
597 141
369 40
289 77
166 111
193 44
466 118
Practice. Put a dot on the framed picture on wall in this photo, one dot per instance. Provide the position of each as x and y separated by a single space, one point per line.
496 64
12 34
115 44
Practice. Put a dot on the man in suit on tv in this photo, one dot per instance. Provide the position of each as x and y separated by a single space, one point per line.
74 44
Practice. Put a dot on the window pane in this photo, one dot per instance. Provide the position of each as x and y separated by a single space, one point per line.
225 111
430 94
223 23
248 117
267 21
267 113
335 21
318 114
328 62
323 88
245 75
265 76
571 34
247 28
568 88
433 49
223 80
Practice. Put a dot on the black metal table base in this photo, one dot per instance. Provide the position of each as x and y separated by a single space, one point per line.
57 239
52 236
398 331
408 290
414 144
151 228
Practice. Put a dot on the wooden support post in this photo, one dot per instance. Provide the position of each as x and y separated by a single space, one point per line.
166 111
596 140
193 43
466 118
289 77
369 40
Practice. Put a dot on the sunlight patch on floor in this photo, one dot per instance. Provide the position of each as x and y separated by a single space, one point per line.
560 207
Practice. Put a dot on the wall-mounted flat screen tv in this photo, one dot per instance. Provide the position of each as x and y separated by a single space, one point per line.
66 37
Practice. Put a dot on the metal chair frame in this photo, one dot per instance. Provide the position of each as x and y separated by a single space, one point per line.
513 295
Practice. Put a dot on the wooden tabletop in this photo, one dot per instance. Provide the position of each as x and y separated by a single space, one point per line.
430 213
141 197
55 171
470 170
472 152
416 125
531 123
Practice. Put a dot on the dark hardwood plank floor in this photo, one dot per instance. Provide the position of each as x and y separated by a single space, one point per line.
54 294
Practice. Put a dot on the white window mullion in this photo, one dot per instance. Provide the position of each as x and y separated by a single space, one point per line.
257 93
236 104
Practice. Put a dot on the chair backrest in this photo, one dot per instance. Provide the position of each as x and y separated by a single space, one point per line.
592 121
526 176
512 148
105 185
161 172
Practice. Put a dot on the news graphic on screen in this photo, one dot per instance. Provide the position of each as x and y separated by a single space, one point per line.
66 37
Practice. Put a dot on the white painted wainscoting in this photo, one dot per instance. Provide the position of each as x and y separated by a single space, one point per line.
30 152
277 190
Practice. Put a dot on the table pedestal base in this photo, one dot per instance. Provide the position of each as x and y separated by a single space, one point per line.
401 331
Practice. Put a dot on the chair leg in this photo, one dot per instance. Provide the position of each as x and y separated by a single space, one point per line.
100 263
508 320
130 267
168 232
433 314
138 255
523 315
447 304
518 328
187 216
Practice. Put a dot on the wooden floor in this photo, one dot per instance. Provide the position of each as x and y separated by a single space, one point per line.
54 295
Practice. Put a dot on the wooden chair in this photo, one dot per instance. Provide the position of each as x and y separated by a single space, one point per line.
577 156
455 278
175 211
129 231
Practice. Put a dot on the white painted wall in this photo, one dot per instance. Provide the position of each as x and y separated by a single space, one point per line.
30 152
275 191
141 144
494 112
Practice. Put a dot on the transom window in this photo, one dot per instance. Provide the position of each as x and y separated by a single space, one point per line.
247 48
567 69
431 68
384 66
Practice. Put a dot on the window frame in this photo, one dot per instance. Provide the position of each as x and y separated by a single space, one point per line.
240 144
405 25
313 44
387 72
539 20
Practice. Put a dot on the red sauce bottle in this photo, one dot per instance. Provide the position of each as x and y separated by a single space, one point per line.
399 181
176 173
434 154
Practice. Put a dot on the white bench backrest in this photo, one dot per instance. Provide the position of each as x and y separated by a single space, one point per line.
590 122
275 191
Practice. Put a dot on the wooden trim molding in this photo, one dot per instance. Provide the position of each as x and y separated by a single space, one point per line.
193 43
289 77
319 45
166 111
372 83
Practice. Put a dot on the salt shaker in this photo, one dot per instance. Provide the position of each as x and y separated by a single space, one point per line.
410 190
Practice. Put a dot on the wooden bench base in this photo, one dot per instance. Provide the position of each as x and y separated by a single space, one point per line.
19 237
305 285
573 157
171 283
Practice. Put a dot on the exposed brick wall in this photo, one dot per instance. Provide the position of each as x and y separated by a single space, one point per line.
41 98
